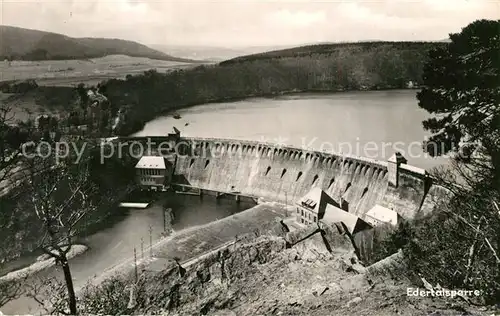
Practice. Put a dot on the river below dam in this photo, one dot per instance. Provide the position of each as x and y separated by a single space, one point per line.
133 228
372 124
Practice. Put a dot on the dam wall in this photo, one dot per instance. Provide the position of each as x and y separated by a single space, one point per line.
285 174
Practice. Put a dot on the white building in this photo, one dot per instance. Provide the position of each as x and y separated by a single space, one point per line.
154 172
312 206
317 206
380 215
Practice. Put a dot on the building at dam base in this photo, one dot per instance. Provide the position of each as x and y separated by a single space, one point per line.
154 172
317 206
285 174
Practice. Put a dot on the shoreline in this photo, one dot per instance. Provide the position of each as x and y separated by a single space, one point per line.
42 262
277 94
94 225
176 244
174 109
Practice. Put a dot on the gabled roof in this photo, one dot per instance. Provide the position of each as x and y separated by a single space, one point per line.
398 158
353 223
383 214
314 199
151 162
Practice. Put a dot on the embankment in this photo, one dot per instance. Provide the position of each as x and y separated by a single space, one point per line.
270 275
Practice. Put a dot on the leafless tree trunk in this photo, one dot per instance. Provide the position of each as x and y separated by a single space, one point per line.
61 196
69 284
472 254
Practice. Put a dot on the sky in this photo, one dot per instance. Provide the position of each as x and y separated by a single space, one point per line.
243 23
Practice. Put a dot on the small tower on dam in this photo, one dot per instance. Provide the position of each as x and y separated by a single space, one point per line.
393 165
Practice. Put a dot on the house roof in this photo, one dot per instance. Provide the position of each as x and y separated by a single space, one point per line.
383 214
397 158
314 198
334 214
151 162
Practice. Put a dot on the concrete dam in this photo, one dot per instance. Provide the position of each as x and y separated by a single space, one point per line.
286 174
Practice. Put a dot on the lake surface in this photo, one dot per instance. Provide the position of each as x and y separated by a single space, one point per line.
130 229
372 124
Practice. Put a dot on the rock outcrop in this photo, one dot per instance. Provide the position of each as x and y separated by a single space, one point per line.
292 275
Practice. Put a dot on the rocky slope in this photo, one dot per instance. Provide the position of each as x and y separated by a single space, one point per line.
306 272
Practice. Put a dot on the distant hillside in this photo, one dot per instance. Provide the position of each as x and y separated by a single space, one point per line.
213 53
321 68
200 52
342 51
25 44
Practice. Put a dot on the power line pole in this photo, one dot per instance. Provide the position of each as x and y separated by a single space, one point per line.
165 219
151 241
142 248
135 266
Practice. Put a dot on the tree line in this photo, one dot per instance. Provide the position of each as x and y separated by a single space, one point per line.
48 202
458 245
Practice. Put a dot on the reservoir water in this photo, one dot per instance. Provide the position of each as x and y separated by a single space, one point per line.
370 124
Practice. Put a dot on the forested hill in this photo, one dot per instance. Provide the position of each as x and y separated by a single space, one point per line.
25 44
341 49
332 67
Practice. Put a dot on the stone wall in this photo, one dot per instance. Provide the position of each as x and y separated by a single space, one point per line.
286 174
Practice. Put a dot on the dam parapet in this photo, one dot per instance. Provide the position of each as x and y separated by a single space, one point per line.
271 150
285 173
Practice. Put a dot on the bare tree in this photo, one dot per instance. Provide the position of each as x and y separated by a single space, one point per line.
10 290
50 293
116 295
8 152
12 138
61 195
